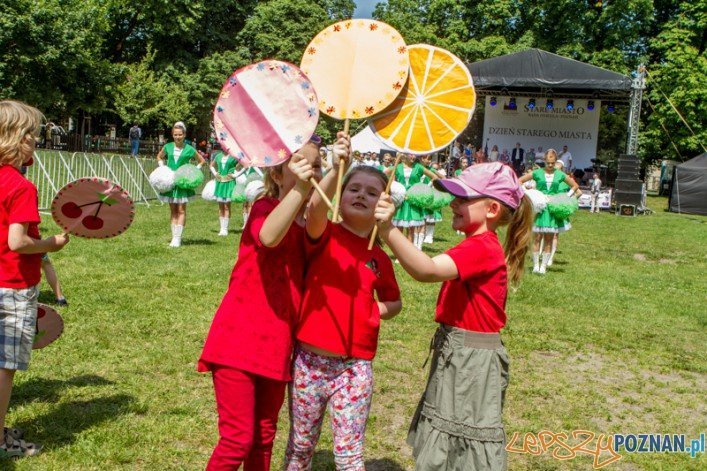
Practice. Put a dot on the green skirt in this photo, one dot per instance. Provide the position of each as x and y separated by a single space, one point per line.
224 191
409 215
177 195
457 425
545 222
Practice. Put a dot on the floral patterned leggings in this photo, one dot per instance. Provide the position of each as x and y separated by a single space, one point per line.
346 386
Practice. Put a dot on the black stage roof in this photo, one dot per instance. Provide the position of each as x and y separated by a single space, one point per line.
541 73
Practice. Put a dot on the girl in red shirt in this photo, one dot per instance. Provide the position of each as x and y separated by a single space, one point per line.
339 320
458 421
249 346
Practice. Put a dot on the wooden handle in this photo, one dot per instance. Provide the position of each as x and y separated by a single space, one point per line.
322 195
391 178
340 180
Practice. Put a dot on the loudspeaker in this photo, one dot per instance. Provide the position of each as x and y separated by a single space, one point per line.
629 165
631 185
628 197
627 175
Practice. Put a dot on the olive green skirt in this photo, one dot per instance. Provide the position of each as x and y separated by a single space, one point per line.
457 425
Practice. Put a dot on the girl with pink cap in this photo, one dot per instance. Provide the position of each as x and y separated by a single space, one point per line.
458 421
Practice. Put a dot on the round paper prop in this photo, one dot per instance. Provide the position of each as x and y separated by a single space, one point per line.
435 106
162 179
269 110
49 326
94 208
357 66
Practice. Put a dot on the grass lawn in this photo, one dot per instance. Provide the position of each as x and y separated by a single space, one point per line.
611 340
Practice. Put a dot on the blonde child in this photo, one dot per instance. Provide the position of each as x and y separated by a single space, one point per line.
178 153
21 252
458 422
348 290
249 346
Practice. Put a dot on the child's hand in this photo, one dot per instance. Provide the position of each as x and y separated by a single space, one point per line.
58 242
302 169
342 150
385 210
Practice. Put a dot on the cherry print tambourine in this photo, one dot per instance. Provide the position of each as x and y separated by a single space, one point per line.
49 327
94 208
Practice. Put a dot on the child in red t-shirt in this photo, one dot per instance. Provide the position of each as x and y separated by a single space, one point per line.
249 346
21 252
337 332
458 421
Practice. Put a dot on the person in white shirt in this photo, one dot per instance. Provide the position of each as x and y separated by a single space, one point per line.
566 157
595 188
539 154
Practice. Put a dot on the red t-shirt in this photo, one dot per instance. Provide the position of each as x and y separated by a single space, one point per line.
18 205
252 328
339 312
477 299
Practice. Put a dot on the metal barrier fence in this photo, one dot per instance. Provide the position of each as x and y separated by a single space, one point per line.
54 169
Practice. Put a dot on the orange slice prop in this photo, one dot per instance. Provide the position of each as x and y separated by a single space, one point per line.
435 106
357 67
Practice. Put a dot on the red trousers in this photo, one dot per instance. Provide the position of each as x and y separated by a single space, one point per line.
248 406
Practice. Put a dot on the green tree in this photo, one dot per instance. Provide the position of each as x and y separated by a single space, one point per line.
679 74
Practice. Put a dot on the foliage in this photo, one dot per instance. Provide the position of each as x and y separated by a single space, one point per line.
156 62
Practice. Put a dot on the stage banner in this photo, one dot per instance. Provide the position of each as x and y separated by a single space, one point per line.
542 127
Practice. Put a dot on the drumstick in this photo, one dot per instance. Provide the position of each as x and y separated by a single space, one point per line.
321 193
391 178
339 180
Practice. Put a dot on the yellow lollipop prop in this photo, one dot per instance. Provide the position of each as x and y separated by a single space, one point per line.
357 67
435 106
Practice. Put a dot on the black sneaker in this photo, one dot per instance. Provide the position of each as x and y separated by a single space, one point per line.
61 302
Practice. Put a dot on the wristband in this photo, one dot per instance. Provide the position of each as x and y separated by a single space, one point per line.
199 165
160 163
213 171
570 193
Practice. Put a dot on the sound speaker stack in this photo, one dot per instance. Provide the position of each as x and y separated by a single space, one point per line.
628 185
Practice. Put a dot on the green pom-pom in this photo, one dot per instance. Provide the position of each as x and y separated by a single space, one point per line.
441 199
562 206
188 177
420 195
238 195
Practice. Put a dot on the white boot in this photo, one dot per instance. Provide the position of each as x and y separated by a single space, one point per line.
536 262
177 236
420 239
224 226
552 252
543 264
429 233
174 232
245 219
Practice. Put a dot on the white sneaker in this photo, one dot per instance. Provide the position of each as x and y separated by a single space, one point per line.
536 269
549 262
176 242
542 270
428 240
223 232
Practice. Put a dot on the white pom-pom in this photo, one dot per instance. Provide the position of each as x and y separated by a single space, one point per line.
241 179
209 191
397 193
539 200
162 179
253 190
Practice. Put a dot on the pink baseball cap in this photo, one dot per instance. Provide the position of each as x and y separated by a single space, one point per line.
493 180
